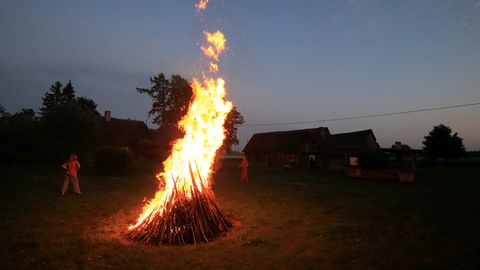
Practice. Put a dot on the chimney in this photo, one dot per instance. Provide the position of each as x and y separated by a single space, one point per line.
398 145
108 116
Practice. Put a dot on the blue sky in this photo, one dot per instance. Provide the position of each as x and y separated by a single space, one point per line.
286 61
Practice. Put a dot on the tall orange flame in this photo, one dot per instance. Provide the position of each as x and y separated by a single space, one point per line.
202 4
217 43
213 67
204 134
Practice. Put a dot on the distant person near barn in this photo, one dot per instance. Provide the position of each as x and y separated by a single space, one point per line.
244 165
72 166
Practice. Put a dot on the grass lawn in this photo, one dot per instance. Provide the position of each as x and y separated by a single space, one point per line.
288 220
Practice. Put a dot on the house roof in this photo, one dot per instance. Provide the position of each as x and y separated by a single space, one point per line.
293 141
124 132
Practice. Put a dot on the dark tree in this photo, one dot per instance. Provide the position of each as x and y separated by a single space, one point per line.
440 143
87 104
19 140
3 113
4 117
171 99
234 119
68 93
59 94
402 147
68 123
52 98
69 128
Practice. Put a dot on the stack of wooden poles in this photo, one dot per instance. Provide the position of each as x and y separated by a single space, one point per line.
189 218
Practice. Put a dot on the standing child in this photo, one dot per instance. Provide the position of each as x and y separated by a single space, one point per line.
72 166
244 165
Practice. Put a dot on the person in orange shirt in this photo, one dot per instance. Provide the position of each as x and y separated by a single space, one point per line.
244 165
72 166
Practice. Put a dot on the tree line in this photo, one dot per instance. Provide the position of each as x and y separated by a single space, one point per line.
67 123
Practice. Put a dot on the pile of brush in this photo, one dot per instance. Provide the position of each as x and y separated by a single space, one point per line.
191 219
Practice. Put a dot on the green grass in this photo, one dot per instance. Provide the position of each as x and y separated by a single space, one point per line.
288 220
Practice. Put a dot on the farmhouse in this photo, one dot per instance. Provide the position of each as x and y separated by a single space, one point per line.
121 132
316 145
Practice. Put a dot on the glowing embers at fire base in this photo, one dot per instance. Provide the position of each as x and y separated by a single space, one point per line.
186 210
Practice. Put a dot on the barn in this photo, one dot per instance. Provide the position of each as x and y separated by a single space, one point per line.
298 147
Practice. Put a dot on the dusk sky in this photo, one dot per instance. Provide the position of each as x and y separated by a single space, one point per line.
287 61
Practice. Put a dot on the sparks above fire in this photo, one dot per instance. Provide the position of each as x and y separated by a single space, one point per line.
186 210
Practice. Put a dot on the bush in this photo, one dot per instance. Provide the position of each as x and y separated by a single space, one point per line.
69 128
147 149
113 159
19 136
473 154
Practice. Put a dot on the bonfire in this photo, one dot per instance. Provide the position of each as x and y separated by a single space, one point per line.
185 210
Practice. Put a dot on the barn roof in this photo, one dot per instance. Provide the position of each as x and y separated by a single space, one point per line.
293 141
352 139
284 141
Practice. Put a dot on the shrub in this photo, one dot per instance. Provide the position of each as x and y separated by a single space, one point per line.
19 136
147 149
113 159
